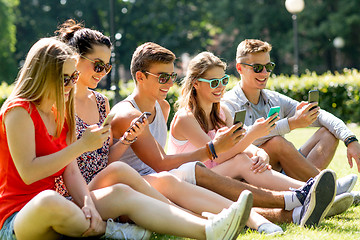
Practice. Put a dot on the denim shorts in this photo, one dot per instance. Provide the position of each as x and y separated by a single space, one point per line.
7 230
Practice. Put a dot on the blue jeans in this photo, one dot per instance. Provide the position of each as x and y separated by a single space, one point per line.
7 230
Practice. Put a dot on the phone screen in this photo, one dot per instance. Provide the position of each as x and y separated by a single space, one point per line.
273 110
313 97
239 117
108 119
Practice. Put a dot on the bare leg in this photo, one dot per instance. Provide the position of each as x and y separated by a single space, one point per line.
284 155
119 172
239 167
147 212
276 214
231 188
320 148
49 214
186 195
194 198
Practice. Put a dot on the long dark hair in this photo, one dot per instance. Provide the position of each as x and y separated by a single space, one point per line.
81 38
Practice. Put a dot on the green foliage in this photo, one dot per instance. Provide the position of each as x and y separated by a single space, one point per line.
8 40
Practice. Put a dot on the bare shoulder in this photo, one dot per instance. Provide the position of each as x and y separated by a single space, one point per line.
16 117
184 115
165 105
125 113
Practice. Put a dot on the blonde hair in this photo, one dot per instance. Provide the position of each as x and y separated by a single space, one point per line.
42 77
188 99
249 46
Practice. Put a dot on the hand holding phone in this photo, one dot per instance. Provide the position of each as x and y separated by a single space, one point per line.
140 119
313 97
108 119
273 111
239 117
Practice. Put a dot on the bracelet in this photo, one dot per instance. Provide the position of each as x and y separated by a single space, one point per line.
212 149
208 151
126 141
350 140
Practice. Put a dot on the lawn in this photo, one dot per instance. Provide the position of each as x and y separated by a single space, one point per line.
344 226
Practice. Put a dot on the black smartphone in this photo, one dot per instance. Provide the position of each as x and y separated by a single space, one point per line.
108 119
239 117
313 97
140 119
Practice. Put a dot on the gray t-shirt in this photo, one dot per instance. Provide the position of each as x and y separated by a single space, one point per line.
158 129
236 100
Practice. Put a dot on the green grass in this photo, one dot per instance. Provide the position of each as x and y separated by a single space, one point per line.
343 226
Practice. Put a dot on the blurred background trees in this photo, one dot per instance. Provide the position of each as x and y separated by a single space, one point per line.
188 27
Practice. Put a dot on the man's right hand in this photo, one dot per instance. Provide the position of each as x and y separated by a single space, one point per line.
303 116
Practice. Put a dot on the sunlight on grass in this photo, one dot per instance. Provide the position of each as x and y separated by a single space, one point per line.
344 226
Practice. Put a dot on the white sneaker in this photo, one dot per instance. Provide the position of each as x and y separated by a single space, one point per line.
115 230
346 184
229 222
341 203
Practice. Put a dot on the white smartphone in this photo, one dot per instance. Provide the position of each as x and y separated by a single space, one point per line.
108 119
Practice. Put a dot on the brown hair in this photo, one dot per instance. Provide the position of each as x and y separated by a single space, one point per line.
81 38
188 99
249 46
147 54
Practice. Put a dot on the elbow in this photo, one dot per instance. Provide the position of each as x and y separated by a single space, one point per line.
28 180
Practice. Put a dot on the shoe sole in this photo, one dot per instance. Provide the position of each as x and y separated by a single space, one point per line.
243 211
323 193
341 203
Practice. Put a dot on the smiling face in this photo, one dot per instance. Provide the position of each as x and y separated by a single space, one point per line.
249 79
205 93
68 69
151 82
88 76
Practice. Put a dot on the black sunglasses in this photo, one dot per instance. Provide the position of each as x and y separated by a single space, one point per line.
259 67
99 65
164 77
73 78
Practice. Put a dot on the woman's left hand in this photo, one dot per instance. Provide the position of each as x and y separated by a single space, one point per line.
260 162
97 225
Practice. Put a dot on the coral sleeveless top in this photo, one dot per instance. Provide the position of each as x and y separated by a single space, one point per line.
14 193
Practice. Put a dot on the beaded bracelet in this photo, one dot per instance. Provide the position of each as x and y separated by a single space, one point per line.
208 151
350 140
212 149
126 141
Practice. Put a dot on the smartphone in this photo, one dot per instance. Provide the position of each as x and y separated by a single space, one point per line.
239 117
143 117
274 110
140 119
108 119
313 97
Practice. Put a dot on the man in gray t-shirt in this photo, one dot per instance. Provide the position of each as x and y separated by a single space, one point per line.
254 67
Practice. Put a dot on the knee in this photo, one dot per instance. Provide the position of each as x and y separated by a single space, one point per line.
49 201
278 143
119 168
165 180
328 136
123 191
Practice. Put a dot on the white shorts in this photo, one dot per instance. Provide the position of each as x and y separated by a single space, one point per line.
186 172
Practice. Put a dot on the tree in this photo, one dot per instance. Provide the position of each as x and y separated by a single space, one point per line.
8 40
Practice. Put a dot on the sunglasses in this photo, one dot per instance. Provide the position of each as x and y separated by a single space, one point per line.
164 77
214 83
259 67
99 65
73 78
